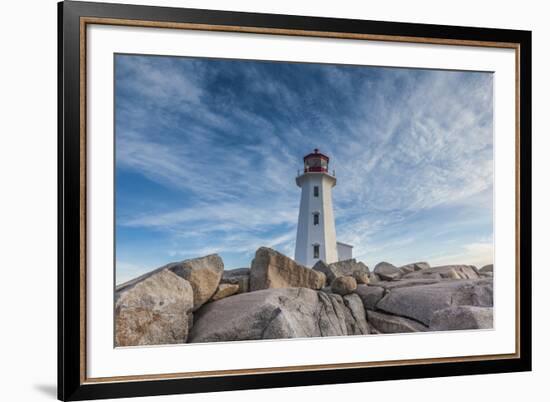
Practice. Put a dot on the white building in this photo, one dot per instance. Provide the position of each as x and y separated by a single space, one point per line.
345 251
316 237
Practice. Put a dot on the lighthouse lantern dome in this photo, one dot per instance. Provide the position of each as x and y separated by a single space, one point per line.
316 162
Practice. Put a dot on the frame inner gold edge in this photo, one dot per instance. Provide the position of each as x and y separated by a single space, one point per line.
84 21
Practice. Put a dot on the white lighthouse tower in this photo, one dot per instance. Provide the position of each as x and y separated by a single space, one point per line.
316 237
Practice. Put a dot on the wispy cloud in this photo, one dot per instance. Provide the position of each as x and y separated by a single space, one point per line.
479 253
207 152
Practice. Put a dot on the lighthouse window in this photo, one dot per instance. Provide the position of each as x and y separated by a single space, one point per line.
316 191
315 251
316 218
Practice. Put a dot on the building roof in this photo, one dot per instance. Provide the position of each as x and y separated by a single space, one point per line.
344 244
316 154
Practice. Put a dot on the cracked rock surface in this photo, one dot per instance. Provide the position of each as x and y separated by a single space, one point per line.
421 302
277 313
155 310
271 269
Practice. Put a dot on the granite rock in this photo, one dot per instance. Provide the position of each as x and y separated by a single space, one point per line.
350 267
445 272
415 266
225 290
204 275
392 324
240 276
153 309
343 285
271 314
387 271
271 269
462 317
370 295
421 302
355 315
487 268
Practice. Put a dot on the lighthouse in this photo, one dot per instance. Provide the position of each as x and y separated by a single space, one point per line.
316 235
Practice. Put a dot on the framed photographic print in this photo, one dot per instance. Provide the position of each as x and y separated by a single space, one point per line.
252 201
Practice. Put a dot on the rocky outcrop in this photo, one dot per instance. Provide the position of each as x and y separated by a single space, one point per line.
373 278
271 269
486 268
387 272
403 283
415 266
343 285
370 295
421 302
225 290
350 267
361 278
355 315
154 309
392 324
196 301
270 314
462 317
486 271
204 275
446 272
240 276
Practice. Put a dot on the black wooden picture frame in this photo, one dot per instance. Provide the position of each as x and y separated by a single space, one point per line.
73 384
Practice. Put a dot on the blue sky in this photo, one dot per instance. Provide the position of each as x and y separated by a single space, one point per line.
207 152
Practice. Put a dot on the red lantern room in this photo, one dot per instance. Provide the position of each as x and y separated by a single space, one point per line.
316 162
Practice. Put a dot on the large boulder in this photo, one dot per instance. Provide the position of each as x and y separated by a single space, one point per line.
370 295
421 302
204 275
392 324
350 267
415 266
239 276
387 271
271 314
361 278
271 269
356 317
446 272
343 285
153 309
373 278
462 317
